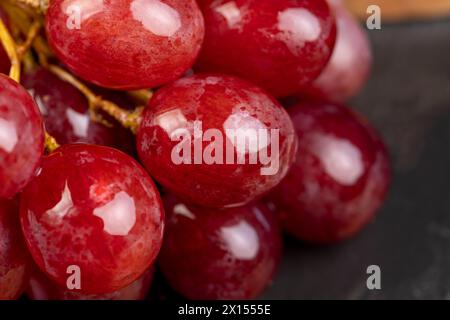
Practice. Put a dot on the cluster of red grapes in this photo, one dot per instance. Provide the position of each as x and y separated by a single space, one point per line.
87 209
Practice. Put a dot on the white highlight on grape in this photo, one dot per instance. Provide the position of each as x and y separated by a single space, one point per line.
182 210
301 23
79 122
241 240
64 204
8 136
118 215
156 16
230 12
340 158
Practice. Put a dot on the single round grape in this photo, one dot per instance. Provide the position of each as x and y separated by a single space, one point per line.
42 288
279 45
95 210
126 44
21 137
350 63
65 110
216 140
219 253
14 260
339 179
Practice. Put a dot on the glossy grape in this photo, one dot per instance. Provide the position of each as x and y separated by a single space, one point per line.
219 254
14 260
280 45
126 44
94 208
42 288
66 110
175 146
350 63
339 179
21 137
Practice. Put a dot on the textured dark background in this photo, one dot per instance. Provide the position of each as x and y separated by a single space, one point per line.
408 100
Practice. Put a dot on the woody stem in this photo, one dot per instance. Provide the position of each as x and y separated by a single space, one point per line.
129 120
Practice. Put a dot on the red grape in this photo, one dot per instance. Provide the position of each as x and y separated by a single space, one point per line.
42 288
280 45
94 208
229 109
14 261
126 44
4 60
340 177
350 63
219 253
21 137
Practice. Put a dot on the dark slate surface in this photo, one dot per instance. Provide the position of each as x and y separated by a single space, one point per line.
408 100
